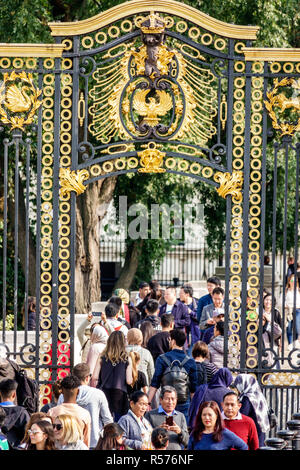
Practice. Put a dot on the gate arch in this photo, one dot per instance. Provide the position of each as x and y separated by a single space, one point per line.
213 98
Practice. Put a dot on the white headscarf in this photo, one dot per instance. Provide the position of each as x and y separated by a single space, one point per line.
247 386
99 335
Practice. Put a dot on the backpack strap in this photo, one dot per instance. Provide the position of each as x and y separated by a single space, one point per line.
184 361
166 360
118 328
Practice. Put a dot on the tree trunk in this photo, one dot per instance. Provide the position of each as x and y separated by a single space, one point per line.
91 208
130 266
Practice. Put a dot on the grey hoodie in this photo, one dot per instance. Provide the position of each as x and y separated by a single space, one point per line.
216 349
93 400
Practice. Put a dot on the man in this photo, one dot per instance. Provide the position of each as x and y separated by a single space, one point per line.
93 400
110 319
16 416
218 315
144 290
160 342
70 389
186 297
241 425
151 310
212 282
179 311
206 319
178 432
184 379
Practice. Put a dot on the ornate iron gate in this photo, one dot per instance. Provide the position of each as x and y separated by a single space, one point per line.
147 87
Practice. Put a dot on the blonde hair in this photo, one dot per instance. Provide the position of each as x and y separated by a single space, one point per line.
134 336
115 348
72 429
135 358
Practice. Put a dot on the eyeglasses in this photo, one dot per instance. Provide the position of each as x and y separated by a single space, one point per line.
57 426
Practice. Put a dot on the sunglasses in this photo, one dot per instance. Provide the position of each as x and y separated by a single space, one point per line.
34 432
57 426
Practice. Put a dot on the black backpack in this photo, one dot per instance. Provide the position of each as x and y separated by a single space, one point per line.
27 391
176 376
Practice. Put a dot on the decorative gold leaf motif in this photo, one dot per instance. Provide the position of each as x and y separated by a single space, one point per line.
72 181
151 109
281 101
151 159
230 183
16 99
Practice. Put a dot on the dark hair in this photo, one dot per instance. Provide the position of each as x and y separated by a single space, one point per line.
268 294
115 300
178 336
166 320
200 349
56 388
7 387
220 325
111 309
199 426
159 438
81 371
147 331
143 284
2 416
70 382
152 306
167 389
172 288
187 289
214 280
46 428
108 441
154 285
228 394
135 396
218 290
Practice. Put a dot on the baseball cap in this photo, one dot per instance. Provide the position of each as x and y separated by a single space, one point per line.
218 311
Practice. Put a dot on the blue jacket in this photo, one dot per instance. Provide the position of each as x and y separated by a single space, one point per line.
229 441
203 301
190 367
132 431
180 312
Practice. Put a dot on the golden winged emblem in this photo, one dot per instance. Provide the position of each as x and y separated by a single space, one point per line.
149 108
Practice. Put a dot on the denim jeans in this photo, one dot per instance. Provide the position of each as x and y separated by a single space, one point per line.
184 408
289 329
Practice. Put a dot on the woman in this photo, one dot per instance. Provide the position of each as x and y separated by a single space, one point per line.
41 436
139 381
137 429
112 374
99 337
34 418
214 391
135 340
68 433
289 309
209 432
128 311
112 438
147 332
160 439
31 314
254 403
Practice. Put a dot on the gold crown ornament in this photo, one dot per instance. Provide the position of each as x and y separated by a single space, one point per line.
152 24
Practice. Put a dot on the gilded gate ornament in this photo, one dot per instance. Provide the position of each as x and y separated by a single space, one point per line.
18 99
230 183
283 102
72 181
152 91
151 159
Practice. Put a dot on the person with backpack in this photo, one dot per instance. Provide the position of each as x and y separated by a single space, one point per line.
16 416
177 369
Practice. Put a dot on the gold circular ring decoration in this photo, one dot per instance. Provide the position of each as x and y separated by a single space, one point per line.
220 44
126 26
68 44
87 42
101 37
239 66
132 162
113 31
206 39
170 163
183 165
194 33
181 26
108 167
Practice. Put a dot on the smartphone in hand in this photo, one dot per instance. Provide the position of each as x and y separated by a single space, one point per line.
169 420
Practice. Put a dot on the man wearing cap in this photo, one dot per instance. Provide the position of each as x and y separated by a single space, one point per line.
218 315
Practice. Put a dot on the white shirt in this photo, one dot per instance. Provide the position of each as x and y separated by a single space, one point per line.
238 416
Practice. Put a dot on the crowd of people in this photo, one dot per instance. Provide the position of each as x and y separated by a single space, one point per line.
151 376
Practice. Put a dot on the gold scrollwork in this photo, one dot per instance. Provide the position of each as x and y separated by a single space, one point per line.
18 99
283 102
151 159
230 183
72 180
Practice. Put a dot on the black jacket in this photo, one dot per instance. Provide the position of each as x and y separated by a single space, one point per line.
15 422
153 319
